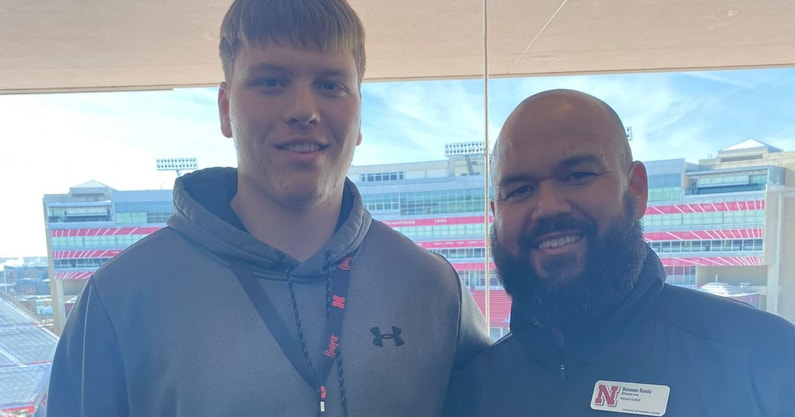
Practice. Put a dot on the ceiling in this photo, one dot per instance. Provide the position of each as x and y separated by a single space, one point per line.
92 45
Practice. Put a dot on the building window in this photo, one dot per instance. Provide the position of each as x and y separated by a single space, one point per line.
382 176
381 202
143 212
461 253
697 246
681 275
442 202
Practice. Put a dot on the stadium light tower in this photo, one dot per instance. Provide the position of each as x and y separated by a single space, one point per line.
176 164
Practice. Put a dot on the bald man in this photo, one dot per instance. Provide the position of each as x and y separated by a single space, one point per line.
594 327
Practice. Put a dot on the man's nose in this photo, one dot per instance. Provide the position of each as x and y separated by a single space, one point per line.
550 201
302 106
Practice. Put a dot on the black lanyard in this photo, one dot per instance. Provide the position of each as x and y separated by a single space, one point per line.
290 346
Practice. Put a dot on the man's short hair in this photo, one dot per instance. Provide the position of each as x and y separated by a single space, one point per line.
324 25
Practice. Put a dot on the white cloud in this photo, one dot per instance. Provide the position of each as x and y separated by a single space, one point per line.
414 120
717 77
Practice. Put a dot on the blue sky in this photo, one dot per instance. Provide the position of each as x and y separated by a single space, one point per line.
52 142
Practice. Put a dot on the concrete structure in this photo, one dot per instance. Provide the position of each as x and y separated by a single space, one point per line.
729 219
765 174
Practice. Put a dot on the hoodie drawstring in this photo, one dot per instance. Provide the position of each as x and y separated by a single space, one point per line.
329 274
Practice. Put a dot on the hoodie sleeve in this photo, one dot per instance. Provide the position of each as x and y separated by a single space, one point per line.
88 378
473 333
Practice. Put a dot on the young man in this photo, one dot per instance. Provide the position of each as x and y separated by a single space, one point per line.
595 329
272 291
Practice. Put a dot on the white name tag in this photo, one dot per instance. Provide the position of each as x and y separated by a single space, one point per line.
630 398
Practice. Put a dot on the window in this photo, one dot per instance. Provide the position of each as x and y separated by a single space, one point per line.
382 176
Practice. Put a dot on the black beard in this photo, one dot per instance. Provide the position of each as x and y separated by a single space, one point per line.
613 265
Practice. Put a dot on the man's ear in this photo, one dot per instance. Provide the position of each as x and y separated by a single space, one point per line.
491 205
223 109
639 187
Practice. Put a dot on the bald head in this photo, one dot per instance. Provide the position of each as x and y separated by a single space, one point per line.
562 114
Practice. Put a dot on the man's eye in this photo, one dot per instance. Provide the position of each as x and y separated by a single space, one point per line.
331 88
269 82
579 177
518 192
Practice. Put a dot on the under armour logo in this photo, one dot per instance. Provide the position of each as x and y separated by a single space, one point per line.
379 338
345 265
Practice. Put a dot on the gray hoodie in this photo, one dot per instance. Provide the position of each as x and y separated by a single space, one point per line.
166 329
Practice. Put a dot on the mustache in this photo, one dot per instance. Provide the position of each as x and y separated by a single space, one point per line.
550 225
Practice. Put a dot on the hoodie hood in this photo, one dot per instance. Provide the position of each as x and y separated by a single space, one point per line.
202 211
